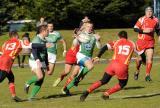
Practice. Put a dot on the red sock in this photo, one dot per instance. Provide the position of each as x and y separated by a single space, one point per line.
68 81
148 68
12 89
114 89
94 86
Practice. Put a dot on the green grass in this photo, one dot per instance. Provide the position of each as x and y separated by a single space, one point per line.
49 97
106 36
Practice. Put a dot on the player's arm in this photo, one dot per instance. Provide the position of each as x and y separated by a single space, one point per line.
98 43
41 46
64 46
46 59
108 46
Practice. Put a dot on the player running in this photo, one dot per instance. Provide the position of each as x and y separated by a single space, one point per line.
146 26
85 53
123 49
10 51
70 61
38 62
53 37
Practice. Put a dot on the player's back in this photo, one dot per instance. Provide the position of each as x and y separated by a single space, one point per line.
11 48
123 50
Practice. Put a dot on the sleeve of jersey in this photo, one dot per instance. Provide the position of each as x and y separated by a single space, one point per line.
34 53
111 44
138 23
46 58
157 28
18 48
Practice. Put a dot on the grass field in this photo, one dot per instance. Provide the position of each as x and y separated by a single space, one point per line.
106 35
139 93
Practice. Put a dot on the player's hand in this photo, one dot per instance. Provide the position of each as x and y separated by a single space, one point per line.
96 59
39 64
97 36
48 45
147 30
64 53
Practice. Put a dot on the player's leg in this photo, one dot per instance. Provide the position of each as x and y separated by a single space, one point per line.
52 61
89 66
51 68
23 59
105 79
37 85
19 60
37 75
122 83
11 84
2 75
149 54
66 71
73 75
139 61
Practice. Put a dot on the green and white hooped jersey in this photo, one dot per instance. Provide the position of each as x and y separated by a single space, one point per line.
87 48
53 37
41 52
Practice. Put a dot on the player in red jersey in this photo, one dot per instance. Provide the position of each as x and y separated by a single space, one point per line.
70 60
10 50
123 49
146 26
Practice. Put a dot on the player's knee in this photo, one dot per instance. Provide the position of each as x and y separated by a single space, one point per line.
105 79
123 83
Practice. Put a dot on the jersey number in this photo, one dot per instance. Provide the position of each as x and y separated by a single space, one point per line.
10 46
124 50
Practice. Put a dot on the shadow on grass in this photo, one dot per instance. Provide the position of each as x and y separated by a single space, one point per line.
141 96
135 87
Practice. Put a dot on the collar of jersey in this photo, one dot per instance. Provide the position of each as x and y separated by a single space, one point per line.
41 37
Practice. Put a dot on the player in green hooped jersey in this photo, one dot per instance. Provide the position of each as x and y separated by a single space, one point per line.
53 37
84 56
38 62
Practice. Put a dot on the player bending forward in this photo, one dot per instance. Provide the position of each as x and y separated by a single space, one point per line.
123 49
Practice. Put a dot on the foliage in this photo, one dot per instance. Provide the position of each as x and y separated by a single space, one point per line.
68 13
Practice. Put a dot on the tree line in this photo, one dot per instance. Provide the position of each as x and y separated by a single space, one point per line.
68 13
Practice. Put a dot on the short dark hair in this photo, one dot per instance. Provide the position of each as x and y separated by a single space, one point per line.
42 28
13 34
123 34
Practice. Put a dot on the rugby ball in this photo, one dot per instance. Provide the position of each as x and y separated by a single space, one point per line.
84 38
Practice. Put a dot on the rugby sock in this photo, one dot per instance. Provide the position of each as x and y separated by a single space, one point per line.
94 86
12 89
32 80
112 90
85 71
36 88
68 81
148 68
72 83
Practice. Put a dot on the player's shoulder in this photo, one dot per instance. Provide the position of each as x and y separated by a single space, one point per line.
155 18
141 19
36 39
56 33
